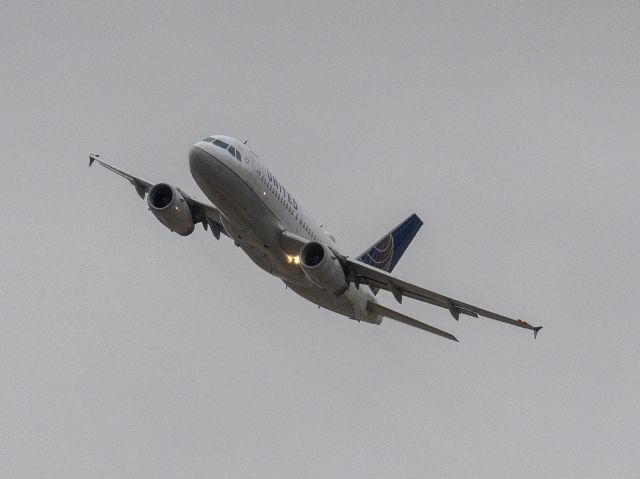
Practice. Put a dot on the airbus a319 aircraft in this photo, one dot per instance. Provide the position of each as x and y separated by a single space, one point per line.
263 218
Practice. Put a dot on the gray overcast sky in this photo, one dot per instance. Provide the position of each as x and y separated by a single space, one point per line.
512 130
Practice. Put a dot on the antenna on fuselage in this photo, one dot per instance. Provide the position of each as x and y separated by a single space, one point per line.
244 142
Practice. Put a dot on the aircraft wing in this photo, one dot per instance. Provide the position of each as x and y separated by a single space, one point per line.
360 273
203 213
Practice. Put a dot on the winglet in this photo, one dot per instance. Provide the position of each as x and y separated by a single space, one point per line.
536 329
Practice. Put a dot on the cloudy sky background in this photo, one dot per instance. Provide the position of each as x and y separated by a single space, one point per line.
511 128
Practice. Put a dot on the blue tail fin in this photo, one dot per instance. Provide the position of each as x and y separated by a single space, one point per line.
386 253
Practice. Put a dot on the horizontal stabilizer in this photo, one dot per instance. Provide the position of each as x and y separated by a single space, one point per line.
391 314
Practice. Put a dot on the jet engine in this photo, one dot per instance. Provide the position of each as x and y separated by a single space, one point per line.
169 205
322 267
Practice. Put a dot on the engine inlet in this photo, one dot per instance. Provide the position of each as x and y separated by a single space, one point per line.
161 196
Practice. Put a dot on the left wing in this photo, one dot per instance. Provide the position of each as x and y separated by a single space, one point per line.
208 215
360 273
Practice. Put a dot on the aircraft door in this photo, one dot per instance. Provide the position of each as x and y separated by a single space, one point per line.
253 167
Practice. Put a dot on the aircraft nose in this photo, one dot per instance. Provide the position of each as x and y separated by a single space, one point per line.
197 158
204 166
200 161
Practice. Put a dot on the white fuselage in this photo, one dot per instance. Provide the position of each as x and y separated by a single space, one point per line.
255 209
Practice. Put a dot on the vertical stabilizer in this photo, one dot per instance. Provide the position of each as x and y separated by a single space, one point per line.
387 251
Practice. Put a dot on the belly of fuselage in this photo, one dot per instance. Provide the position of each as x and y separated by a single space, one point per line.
324 299
257 231
249 222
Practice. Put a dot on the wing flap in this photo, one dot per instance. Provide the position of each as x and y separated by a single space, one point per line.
142 187
364 274
208 215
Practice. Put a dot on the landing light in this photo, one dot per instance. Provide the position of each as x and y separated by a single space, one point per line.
293 259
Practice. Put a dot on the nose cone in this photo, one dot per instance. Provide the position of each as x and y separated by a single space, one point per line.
214 169
205 168
198 160
211 172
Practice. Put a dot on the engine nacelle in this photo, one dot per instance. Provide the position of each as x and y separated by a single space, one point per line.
322 267
171 208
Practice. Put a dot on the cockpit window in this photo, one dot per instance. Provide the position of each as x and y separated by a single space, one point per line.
221 144
224 146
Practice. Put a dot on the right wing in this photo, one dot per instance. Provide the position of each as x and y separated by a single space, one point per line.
203 213
142 187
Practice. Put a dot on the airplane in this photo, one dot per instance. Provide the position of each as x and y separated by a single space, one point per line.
253 208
